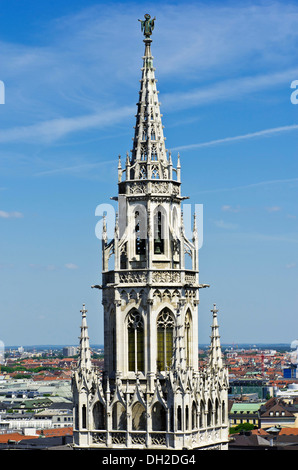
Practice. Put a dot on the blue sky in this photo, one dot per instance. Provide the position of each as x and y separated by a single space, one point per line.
71 72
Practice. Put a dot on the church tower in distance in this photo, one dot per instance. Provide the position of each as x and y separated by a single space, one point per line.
151 393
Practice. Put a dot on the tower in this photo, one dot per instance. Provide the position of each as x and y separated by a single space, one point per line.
151 393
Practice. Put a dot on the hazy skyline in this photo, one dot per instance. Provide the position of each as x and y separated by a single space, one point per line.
71 74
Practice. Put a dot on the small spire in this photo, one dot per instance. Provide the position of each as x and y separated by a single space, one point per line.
215 355
178 161
119 169
117 226
178 168
84 362
104 229
194 223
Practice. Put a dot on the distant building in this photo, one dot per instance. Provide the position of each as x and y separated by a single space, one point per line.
69 351
290 391
279 413
241 387
290 372
241 413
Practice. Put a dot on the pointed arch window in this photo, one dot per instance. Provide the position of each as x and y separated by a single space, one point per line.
223 414
155 172
84 417
158 234
140 243
209 413
165 339
154 153
143 152
135 329
143 173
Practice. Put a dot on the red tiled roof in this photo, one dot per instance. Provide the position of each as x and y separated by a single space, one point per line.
55 432
14 436
289 431
259 432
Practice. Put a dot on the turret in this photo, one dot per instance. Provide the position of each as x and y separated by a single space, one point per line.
84 361
215 354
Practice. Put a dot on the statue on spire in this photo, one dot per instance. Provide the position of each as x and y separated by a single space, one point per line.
147 25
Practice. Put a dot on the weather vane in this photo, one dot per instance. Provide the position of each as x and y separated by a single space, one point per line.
147 25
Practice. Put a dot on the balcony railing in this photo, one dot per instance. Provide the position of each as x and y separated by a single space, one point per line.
141 276
159 439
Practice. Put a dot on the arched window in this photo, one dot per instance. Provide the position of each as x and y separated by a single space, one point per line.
119 417
187 326
143 173
154 153
202 414
99 416
179 418
216 411
223 413
155 172
84 417
165 337
138 417
186 418
135 328
158 234
123 256
140 233
209 413
158 417
194 416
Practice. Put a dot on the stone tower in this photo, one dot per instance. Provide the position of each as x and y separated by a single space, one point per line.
151 393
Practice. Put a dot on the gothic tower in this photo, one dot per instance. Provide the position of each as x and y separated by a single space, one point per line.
151 393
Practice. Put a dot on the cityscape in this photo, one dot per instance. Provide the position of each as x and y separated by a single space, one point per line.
36 396
148 265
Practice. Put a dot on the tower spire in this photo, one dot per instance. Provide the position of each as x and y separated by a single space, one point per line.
149 151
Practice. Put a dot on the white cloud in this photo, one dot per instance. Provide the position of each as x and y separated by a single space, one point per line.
277 182
225 225
48 267
71 266
231 89
85 68
10 215
273 209
251 135
53 129
227 208
291 265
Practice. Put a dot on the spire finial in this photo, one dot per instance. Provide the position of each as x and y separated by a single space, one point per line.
83 311
214 310
147 25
